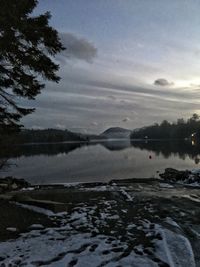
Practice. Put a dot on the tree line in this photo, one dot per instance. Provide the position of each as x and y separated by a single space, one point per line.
165 130
41 136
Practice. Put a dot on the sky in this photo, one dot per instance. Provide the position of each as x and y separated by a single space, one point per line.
128 63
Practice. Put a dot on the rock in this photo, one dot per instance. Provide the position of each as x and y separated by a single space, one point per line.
186 177
14 186
10 183
174 175
4 186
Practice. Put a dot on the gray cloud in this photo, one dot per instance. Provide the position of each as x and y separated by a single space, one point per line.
163 82
60 126
94 123
126 119
94 101
77 48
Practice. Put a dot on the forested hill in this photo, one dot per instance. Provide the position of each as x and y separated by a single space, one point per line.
28 136
166 130
43 136
116 132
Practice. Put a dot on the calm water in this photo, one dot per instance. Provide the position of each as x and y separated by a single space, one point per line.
78 162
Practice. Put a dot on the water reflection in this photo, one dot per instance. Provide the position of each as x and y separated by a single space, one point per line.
98 161
167 149
179 148
39 149
59 148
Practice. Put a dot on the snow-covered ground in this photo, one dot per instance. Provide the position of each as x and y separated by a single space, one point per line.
112 229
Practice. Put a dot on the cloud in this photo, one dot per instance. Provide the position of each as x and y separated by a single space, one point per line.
163 82
112 97
60 126
94 123
76 48
84 97
126 119
37 127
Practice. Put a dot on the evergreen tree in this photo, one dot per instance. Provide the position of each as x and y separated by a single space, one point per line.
27 46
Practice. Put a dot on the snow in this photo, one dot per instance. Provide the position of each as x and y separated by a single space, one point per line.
125 194
100 234
195 171
36 209
44 211
28 189
175 248
39 250
165 185
36 227
65 245
171 222
11 229
102 188
192 197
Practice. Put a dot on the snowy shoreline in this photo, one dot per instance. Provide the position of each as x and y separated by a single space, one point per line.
121 223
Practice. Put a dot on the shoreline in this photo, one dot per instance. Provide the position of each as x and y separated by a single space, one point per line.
129 223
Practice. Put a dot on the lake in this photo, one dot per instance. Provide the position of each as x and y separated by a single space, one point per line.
98 162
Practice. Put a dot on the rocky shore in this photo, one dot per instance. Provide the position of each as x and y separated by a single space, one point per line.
185 177
10 184
132 222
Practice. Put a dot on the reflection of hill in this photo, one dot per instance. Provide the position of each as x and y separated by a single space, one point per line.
116 145
168 148
38 149
56 148
178 148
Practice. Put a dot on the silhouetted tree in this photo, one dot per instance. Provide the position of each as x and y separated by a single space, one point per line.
27 45
195 117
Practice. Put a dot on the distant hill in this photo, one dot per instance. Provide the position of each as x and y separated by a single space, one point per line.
116 132
45 136
28 136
